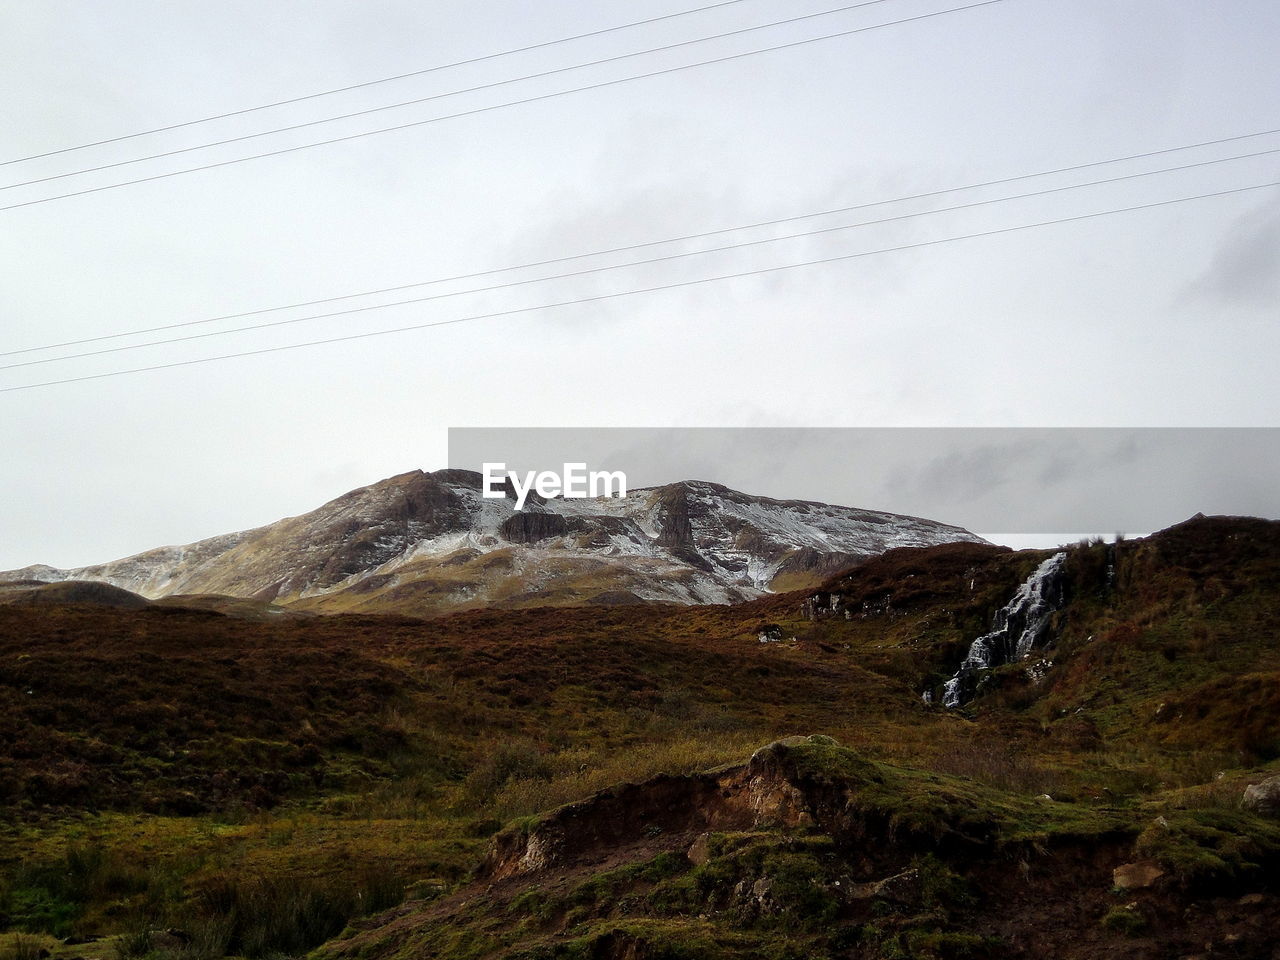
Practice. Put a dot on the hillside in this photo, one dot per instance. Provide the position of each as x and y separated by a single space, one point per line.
809 849
425 543
259 782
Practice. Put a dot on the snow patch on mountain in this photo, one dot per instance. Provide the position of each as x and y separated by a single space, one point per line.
689 542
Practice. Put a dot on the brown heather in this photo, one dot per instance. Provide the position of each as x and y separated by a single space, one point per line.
259 783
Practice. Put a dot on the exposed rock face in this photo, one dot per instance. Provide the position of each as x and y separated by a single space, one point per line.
1263 798
1137 876
530 527
427 542
763 792
675 529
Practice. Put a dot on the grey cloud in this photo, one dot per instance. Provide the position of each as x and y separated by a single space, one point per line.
1053 326
1245 269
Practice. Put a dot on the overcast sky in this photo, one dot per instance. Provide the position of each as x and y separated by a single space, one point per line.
1158 317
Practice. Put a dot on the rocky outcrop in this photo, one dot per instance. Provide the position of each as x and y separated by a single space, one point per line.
823 605
902 888
767 791
528 526
1137 876
675 528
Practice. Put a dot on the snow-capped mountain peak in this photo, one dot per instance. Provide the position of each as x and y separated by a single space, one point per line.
427 542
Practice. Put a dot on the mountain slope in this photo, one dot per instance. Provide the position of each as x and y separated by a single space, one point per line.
429 542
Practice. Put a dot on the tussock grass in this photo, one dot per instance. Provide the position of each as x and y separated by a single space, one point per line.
266 916
23 946
996 764
575 774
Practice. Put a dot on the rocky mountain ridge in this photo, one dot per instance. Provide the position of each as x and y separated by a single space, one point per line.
427 542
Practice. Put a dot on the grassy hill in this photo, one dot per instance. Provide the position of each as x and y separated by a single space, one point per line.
258 784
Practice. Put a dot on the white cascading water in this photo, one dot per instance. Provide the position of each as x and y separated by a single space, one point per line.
1019 627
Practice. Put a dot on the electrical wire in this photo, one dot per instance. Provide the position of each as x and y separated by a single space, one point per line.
655 289
499 106
370 83
438 96
639 263
650 243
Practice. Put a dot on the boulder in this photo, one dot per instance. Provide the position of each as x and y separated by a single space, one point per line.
1136 876
699 851
1263 798
901 888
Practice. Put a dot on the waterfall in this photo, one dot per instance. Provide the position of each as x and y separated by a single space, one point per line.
1019 627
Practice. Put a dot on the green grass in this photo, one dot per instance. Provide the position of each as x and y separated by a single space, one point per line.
1207 848
1125 920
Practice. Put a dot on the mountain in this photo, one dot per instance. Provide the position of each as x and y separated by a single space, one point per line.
429 542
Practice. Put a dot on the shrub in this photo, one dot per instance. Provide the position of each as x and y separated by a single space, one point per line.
1126 920
514 760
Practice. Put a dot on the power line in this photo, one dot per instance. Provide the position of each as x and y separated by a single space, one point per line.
440 96
640 263
630 293
499 106
651 243
370 83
